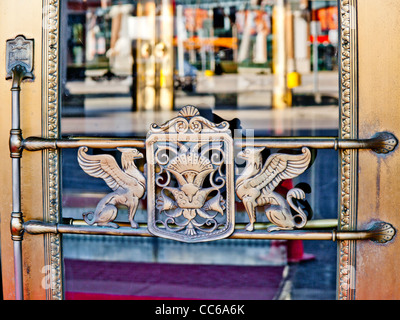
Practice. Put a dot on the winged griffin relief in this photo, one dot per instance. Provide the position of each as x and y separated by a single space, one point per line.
256 184
190 182
128 184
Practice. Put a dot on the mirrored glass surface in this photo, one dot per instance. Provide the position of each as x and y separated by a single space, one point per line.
269 68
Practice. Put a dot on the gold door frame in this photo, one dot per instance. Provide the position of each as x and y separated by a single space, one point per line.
49 77
348 158
51 129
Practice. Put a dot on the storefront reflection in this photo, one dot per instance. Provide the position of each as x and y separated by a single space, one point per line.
133 63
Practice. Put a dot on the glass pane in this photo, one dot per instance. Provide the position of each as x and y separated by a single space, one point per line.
268 67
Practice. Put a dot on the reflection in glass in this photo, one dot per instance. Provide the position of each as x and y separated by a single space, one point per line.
269 66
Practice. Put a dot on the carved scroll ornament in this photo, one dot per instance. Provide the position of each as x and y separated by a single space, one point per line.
190 182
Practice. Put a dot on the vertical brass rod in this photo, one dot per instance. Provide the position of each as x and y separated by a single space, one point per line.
16 185
15 95
18 74
19 288
16 211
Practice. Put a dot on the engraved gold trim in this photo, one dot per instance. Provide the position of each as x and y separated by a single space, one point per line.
50 129
348 130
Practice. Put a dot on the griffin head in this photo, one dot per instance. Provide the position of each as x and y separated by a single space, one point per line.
252 156
250 153
129 155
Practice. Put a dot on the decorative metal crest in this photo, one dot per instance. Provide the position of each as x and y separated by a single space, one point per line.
190 178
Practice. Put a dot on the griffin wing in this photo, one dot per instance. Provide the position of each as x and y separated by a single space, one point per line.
106 167
280 167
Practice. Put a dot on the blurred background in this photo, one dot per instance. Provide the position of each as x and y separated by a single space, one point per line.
270 67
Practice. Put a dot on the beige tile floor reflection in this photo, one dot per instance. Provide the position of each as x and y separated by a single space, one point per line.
252 94
279 121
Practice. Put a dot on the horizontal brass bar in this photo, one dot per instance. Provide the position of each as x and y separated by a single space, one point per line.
292 143
380 232
312 224
316 143
381 143
35 144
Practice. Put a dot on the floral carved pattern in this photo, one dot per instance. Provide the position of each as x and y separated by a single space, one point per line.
348 130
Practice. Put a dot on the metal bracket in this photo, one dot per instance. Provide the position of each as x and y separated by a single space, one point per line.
19 66
19 58
383 142
382 232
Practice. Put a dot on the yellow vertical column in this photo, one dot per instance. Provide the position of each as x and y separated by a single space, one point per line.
165 56
281 97
146 82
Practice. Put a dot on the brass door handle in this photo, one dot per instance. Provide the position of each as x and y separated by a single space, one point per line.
190 196
379 232
19 66
381 142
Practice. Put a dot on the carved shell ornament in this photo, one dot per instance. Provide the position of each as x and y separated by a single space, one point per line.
189 112
190 182
189 120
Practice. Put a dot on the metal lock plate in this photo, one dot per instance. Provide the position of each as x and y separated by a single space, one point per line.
19 51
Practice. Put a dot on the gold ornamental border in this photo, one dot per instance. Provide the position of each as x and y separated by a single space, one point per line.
348 158
51 129
348 130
